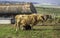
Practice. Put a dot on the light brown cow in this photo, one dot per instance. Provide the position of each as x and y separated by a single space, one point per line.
23 21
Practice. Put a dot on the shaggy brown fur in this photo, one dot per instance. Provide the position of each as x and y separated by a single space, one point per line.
23 21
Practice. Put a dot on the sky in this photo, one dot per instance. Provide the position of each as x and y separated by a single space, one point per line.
43 2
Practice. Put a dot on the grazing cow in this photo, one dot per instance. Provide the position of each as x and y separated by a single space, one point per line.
24 20
28 21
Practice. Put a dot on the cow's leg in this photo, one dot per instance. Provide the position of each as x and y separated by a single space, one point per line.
22 27
27 27
17 26
32 26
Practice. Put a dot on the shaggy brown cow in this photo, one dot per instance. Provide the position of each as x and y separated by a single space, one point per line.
23 20
26 21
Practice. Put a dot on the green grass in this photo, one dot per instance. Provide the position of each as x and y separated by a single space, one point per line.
7 31
48 10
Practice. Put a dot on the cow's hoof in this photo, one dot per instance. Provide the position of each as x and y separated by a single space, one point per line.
22 28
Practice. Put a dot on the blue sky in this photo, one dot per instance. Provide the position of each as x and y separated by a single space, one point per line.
49 2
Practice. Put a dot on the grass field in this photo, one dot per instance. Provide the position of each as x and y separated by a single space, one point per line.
7 31
53 31
48 10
